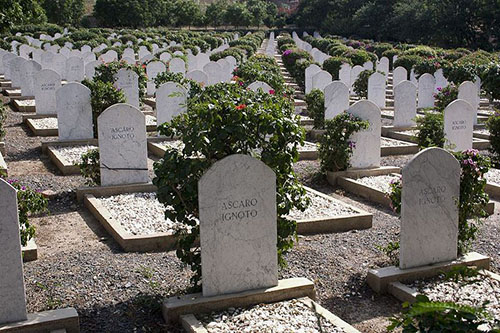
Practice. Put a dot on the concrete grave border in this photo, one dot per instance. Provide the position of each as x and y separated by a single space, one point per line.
405 293
46 321
380 279
176 306
192 325
58 160
477 143
17 107
30 251
3 165
38 131
342 223
12 92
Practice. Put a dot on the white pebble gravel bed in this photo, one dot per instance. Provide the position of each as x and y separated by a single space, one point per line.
385 142
474 294
176 144
286 316
381 183
321 207
150 120
45 123
308 146
26 102
138 213
72 154
482 131
410 132
493 176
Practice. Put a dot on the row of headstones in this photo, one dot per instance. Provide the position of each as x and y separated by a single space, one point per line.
458 129
405 98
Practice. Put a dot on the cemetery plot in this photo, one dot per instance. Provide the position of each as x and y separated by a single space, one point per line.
326 215
390 146
482 133
24 105
135 220
493 182
473 291
294 315
48 126
409 136
66 155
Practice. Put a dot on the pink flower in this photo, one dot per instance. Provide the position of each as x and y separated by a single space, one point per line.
241 107
272 91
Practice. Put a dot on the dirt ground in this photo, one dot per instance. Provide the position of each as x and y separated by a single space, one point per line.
80 265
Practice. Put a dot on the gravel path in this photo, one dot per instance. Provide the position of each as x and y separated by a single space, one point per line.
139 213
381 183
287 316
73 154
321 207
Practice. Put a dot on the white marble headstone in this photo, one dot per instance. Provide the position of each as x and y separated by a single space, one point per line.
399 75
47 82
366 153
321 79
312 70
426 84
376 89
198 75
74 112
336 99
177 65
255 86
152 70
238 226
122 145
128 82
28 71
355 71
12 291
171 100
345 74
429 212
405 104
458 125
468 91
75 69
214 72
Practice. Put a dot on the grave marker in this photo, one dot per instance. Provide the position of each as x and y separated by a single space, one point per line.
47 82
336 99
74 112
458 125
237 202
128 81
405 104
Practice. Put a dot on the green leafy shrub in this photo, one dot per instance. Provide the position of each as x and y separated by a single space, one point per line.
296 61
360 86
102 96
493 125
359 57
422 51
261 68
89 166
106 73
430 129
407 61
336 148
473 199
429 65
380 48
332 65
238 53
192 86
445 96
467 67
29 203
337 50
490 77
285 40
316 107
431 316
228 119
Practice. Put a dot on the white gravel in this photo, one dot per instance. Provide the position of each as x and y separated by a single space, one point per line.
308 146
381 183
26 102
493 176
386 142
176 144
45 123
482 131
139 213
150 120
321 207
286 316
474 294
409 132
72 154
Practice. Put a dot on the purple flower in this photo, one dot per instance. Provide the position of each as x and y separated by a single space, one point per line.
352 145
287 52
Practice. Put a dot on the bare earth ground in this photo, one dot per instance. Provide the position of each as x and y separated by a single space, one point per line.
81 266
